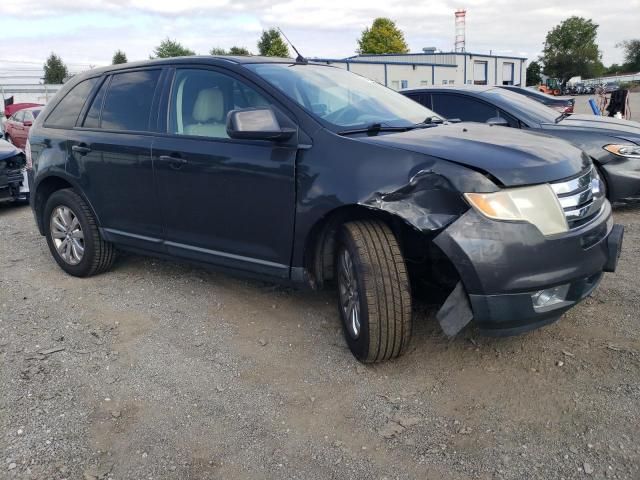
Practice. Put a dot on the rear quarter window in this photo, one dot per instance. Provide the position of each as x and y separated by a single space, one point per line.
65 113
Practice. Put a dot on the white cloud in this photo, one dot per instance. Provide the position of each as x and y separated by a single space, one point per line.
89 30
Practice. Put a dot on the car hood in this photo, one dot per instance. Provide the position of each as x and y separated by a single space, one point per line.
606 125
511 156
7 150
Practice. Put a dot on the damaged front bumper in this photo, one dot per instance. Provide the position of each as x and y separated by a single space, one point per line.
514 279
14 185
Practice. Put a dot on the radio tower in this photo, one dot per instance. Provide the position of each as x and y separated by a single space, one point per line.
460 28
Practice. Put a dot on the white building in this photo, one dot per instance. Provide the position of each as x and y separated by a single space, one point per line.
27 93
415 70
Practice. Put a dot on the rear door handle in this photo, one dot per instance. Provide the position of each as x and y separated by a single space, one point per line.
81 149
174 161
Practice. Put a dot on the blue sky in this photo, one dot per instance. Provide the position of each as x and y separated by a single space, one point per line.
87 32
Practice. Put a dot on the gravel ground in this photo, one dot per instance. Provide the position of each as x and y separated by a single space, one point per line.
582 104
163 370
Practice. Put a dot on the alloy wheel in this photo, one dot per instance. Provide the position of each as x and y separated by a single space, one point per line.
349 294
67 235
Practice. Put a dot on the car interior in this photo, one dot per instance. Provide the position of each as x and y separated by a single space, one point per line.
203 100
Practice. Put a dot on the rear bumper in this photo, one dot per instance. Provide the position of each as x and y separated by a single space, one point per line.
503 265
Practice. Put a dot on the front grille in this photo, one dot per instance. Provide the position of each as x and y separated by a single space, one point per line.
581 197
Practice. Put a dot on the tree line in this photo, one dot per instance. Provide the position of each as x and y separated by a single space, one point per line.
570 50
382 37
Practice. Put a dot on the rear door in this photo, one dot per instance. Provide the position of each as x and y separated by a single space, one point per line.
224 201
110 153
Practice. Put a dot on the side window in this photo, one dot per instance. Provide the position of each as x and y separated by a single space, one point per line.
65 114
423 99
201 100
27 117
464 108
512 121
19 116
92 120
127 104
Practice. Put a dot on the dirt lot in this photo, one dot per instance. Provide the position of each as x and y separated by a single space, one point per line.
162 370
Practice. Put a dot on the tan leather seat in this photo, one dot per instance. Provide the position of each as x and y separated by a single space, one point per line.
208 112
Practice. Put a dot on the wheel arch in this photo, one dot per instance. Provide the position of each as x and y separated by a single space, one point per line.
320 243
46 187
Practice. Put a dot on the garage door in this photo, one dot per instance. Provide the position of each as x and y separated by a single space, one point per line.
507 73
479 73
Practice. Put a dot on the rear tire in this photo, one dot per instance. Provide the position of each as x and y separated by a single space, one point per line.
374 296
73 236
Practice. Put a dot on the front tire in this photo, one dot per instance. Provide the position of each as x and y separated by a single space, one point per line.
374 296
73 236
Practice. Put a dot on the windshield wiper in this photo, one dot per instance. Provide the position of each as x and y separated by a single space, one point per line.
375 128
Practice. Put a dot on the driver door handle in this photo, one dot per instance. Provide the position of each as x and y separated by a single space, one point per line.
175 162
81 149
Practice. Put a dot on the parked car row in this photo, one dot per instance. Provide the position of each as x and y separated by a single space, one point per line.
591 88
613 145
311 175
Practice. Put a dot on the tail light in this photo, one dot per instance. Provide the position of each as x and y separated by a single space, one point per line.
27 154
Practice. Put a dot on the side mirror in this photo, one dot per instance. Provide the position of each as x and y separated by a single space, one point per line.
498 121
256 124
27 123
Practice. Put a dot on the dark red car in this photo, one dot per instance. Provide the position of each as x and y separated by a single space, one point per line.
16 130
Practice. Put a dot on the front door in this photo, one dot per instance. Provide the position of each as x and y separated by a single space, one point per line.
224 201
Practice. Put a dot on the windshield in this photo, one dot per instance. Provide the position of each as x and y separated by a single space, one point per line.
522 105
342 98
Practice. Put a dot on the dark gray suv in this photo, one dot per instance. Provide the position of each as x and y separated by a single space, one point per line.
312 175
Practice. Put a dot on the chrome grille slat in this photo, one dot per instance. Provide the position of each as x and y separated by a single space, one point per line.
562 188
577 199
580 197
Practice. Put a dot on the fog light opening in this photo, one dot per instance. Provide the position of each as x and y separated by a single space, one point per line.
549 298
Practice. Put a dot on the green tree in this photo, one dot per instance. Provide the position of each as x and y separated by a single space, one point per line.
217 51
170 48
272 45
241 51
570 49
55 71
631 55
119 57
534 71
382 37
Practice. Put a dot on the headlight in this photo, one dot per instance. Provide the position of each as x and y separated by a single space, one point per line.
537 205
629 151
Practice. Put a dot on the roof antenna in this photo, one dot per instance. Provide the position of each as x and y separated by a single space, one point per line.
299 58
